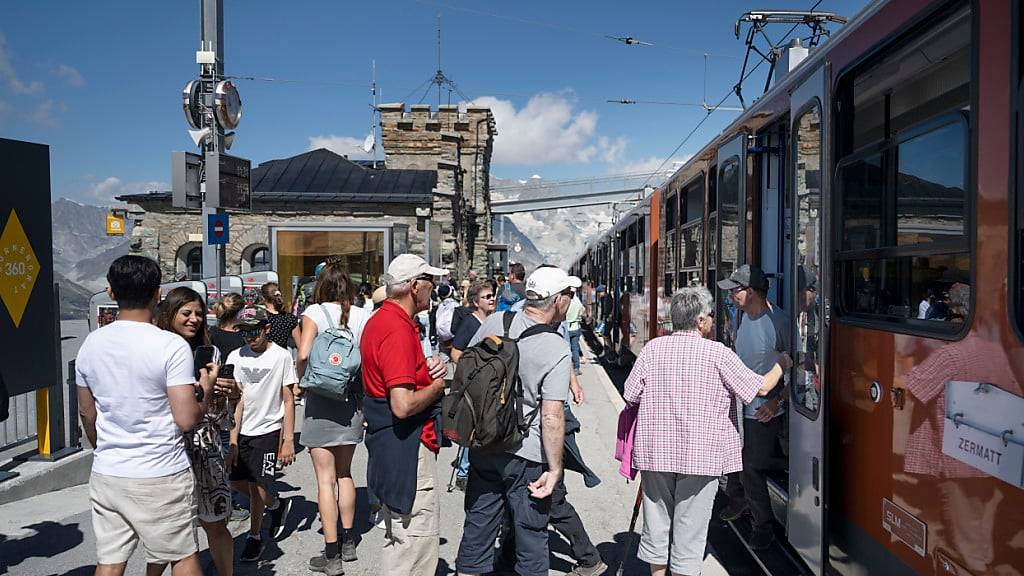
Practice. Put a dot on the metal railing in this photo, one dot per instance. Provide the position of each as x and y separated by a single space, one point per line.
20 427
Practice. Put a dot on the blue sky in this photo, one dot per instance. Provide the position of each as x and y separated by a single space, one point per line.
101 82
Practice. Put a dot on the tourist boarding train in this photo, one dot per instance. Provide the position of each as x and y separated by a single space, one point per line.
878 185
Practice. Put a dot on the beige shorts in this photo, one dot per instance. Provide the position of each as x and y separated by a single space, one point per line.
161 512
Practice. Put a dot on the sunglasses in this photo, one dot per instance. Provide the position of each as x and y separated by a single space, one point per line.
738 289
251 333
487 296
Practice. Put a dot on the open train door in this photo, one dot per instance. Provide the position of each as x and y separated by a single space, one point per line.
809 303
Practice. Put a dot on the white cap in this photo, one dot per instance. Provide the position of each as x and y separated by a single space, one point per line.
548 280
405 267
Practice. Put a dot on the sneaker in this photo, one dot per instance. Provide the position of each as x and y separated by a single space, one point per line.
734 510
332 567
278 516
762 537
239 514
595 570
252 551
460 483
579 373
348 551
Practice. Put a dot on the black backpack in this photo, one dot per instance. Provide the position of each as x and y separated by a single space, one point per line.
484 410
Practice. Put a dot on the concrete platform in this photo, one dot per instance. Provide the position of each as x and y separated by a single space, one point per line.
52 533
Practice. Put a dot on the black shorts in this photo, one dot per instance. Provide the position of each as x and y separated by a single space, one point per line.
257 457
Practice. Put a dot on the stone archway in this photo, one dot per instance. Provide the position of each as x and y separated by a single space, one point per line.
242 246
246 259
181 259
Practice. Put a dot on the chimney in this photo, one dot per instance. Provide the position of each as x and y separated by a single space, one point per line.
791 57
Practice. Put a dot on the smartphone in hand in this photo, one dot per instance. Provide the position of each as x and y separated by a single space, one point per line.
205 355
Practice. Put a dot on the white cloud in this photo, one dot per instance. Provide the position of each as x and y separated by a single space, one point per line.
344 145
549 130
10 75
70 75
46 113
105 191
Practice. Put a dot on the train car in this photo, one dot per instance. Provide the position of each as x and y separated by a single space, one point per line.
878 184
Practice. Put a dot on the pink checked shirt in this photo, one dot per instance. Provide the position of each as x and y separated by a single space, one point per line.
684 384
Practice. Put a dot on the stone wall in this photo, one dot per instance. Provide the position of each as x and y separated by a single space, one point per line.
458 145
165 233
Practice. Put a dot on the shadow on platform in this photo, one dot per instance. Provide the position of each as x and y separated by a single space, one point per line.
50 539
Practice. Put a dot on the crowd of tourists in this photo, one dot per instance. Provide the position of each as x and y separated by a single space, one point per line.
194 419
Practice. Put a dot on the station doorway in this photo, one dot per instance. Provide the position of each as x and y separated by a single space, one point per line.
364 250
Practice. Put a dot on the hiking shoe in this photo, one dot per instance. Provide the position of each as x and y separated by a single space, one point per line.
762 537
595 570
331 567
252 551
238 513
734 510
278 516
348 551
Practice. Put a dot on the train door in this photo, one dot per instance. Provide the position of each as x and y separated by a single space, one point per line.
807 292
731 228
773 229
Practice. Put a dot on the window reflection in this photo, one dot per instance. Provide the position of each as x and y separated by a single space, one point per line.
930 186
299 251
806 382
862 183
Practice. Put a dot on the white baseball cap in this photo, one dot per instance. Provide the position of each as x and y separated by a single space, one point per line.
405 267
549 280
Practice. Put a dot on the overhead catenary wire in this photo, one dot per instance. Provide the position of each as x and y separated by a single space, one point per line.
564 28
712 108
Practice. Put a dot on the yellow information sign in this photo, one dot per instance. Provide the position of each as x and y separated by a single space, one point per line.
115 225
19 268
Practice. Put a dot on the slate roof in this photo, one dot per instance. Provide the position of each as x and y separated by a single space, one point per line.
325 176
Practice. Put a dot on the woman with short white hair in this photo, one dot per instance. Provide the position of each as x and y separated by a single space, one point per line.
686 438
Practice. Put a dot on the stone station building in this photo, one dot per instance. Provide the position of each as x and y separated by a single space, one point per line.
431 198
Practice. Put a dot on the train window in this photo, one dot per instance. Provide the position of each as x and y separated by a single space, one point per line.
694 193
806 388
904 254
863 184
670 212
728 214
1016 267
931 197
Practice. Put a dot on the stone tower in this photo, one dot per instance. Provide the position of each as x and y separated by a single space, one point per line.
458 145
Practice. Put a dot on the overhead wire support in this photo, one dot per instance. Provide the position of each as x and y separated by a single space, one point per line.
760 19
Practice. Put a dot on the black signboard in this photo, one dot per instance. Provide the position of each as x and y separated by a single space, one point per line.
228 182
29 356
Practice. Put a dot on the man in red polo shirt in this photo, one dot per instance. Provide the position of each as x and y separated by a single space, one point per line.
402 401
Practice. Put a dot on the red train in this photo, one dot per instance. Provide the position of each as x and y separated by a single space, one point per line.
878 184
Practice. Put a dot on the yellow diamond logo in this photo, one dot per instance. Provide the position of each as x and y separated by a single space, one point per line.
18 268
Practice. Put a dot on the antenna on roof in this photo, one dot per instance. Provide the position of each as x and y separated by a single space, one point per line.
440 79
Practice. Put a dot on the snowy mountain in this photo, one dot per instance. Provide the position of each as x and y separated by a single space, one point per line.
558 236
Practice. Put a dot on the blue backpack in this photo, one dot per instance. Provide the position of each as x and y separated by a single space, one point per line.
333 368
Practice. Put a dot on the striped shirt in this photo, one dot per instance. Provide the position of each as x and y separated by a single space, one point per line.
684 385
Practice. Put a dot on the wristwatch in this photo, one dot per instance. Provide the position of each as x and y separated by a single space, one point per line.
200 394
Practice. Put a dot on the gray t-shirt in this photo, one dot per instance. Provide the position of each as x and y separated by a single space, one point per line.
543 369
758 347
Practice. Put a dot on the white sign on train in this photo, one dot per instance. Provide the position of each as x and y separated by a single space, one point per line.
983 429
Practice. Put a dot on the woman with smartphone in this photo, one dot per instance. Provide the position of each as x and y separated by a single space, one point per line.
184 313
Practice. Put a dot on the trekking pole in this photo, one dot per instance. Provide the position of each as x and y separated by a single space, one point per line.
458 459
632 528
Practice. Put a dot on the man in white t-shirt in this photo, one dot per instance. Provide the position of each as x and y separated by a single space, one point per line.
264 432
137 394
